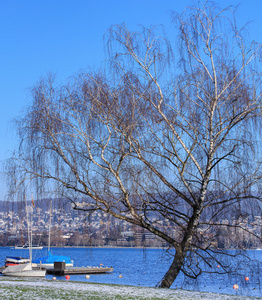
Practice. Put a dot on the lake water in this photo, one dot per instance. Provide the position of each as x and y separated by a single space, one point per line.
143 267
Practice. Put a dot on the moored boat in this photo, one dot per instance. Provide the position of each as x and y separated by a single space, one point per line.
24 270
23 267
15 260
26 247
49 260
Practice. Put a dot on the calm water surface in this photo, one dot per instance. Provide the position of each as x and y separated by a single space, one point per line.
144 267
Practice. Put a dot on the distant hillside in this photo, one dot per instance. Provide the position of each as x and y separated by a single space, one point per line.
19 206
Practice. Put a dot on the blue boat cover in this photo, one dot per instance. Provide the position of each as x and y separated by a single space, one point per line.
52 258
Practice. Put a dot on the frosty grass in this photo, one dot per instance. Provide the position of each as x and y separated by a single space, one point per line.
46 289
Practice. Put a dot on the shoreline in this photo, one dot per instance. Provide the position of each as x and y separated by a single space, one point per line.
127 247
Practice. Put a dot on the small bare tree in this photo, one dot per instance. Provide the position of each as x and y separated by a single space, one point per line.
170 145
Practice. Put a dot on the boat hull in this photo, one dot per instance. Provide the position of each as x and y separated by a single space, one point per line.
23 270
28 247
14 261
33 273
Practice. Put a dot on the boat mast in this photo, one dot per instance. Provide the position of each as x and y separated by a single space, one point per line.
31 228
28 231
49 234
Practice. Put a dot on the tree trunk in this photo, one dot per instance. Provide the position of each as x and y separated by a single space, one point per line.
181 251
173 270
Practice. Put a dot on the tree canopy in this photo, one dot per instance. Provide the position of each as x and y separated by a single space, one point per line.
166 136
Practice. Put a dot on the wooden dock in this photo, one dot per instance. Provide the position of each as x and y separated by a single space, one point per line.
61 269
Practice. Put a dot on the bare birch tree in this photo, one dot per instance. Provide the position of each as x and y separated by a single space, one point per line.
164 139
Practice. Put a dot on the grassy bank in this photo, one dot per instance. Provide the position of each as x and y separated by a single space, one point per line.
44 289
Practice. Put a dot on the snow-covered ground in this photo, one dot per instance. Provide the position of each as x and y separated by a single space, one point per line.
43 289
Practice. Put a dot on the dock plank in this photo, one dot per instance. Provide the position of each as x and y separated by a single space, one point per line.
80 270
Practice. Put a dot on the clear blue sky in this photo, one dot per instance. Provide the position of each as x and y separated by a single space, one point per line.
65 36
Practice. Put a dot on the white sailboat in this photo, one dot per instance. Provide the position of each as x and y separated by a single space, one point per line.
26 269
